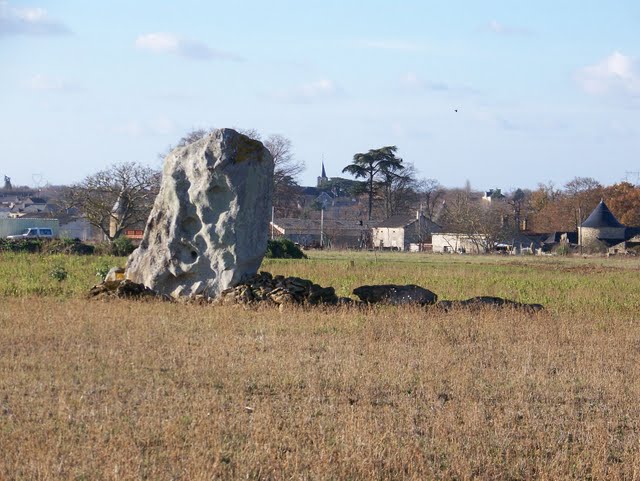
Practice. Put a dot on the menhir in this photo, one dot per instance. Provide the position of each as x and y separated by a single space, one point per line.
208 228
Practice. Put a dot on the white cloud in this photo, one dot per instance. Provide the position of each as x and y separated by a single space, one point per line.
318 89
161 125
615 74
502 29
28 21
169 43
131 128
389 44
44 83
412 81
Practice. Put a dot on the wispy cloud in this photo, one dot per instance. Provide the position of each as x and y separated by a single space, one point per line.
161 125
169 43
391 44
28 21
414 82
309 92
617 74
502 29
45 83
409 130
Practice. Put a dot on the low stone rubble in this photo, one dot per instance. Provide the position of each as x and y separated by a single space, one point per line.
280 290
263 288
267 289
122 289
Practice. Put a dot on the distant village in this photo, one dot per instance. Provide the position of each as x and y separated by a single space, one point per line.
334 214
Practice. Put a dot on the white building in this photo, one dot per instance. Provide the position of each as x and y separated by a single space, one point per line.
459 243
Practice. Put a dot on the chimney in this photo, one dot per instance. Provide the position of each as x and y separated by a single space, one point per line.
417 215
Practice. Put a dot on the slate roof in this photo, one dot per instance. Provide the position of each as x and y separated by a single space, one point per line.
306 226
556 237
631 232
310 191
399 220
601 217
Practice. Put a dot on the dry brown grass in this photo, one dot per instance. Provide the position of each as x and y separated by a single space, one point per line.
125 390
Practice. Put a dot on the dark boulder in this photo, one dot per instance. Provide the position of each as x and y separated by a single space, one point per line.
483 302
395 295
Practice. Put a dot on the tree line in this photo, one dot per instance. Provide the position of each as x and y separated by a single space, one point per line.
386 184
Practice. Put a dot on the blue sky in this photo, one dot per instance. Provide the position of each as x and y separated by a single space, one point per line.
545 90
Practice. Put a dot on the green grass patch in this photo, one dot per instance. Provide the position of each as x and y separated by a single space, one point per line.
592 286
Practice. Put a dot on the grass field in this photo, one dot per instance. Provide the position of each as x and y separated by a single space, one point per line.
144 390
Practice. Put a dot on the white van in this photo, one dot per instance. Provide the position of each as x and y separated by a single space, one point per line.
34 233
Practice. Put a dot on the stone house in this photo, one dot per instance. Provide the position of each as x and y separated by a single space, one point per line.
404 232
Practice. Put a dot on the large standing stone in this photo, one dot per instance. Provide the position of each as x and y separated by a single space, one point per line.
208 228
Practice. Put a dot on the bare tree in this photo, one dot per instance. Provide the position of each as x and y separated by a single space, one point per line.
397 190
286 173
287 167
485 225
122 195
518 200
431 195
583 193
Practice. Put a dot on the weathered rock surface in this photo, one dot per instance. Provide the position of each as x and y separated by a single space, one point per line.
395 294
208 228
115 274
484 302
280 290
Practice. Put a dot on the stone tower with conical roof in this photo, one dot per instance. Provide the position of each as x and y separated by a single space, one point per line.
601 227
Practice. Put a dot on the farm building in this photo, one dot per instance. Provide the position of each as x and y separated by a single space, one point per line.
447 242
341 234
404 232
555 239
517 243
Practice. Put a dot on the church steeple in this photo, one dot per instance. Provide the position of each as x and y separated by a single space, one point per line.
323 177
